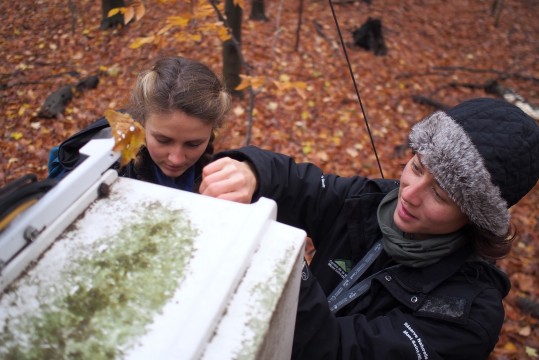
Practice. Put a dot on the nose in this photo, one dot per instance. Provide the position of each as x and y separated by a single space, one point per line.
176 156
412 193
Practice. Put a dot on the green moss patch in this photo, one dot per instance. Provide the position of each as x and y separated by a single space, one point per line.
109 292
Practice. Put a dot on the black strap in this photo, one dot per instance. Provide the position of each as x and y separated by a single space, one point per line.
21 191
346 291
68 152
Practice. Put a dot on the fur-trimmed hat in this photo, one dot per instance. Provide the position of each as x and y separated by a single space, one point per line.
485 154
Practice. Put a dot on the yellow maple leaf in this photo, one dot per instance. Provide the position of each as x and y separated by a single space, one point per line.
142 41
284 84
128 135
165 29
205 10
223 33
118 10
244 84
134 11
139 10
184 36
129 14
16 135
181 21
255 82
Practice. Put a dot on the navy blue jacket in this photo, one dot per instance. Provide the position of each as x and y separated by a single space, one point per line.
449 310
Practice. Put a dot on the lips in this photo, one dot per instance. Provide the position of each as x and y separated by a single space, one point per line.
173 168
172 171
404 214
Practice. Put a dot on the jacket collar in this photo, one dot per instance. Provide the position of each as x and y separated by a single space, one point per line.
429 277
359 213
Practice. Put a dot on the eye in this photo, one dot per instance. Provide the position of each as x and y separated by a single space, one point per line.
193 144
416 169
162 140
436 193
439 194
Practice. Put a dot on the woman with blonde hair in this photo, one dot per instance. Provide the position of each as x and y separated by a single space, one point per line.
180 103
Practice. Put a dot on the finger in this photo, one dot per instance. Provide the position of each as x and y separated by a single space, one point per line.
236 196
226 182
215 166
215 183
230 179
210 174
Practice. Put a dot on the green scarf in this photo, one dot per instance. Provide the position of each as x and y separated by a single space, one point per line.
409 252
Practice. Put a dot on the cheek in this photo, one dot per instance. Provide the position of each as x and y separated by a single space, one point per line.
449 218
155 149
437 215
194 154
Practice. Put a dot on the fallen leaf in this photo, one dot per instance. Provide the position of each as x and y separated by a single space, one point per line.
129 14
510 347
525 331
16 135
139 10
532 352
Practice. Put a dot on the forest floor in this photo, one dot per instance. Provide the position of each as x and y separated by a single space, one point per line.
442 50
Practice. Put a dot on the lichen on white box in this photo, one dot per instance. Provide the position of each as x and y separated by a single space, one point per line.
152 271
98 287
259 320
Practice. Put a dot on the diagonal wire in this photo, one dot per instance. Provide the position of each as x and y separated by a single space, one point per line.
355 87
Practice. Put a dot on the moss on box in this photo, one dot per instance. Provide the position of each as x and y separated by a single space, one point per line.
108 293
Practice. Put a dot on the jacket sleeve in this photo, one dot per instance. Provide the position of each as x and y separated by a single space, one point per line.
306 197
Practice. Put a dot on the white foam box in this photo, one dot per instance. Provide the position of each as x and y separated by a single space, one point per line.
147 271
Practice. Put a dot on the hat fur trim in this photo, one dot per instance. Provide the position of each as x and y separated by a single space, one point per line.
458 167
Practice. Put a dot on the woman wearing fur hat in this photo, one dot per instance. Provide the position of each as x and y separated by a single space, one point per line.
403 269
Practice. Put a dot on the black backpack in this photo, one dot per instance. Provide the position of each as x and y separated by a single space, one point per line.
65 157
20 194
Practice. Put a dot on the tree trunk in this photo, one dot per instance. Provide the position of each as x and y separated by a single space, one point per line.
257 10
115 20
234 14
496 10
232 59
298 29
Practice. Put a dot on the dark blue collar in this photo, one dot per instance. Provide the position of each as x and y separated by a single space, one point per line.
185 181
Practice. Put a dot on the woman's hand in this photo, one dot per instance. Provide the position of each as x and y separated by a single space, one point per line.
229 179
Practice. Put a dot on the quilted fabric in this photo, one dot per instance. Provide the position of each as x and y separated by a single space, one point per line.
508 141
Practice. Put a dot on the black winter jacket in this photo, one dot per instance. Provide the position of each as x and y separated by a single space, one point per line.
449 310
